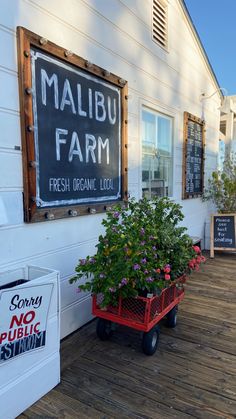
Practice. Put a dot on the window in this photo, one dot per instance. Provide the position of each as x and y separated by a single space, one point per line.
159 22
157 159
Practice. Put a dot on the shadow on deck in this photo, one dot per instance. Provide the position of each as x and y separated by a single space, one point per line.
192 374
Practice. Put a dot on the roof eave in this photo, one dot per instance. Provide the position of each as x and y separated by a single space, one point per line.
201 47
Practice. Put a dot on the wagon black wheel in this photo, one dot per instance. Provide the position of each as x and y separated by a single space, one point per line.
104 330
171 318
150 341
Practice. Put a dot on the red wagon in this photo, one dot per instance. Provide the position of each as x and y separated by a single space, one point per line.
140 313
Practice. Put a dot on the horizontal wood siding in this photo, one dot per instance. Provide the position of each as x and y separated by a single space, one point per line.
170 82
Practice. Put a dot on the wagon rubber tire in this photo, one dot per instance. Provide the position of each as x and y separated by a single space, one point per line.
150 341
103 329
171 318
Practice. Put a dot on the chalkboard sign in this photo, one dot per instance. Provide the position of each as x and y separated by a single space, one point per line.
73 129
223 232
193 156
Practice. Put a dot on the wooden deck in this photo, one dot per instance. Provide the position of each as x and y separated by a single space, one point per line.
192 375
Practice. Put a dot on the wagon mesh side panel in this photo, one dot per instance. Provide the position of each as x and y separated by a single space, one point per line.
156 307
168 296
134 309
139 310
128 308
109 309
113 310
159 303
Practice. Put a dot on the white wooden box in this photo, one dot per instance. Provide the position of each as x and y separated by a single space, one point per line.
29 337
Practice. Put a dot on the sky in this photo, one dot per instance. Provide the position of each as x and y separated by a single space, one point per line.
215 22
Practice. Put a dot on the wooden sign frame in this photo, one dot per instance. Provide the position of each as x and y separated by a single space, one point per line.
32 211
224 249
189 117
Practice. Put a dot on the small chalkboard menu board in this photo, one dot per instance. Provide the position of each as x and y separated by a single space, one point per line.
193 156
73 117
223 229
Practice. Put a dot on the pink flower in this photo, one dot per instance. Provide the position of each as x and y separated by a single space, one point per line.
167 277
203 259
197 249
191 264
158 270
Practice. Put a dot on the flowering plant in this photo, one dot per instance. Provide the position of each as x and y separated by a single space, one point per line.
143 250
222 186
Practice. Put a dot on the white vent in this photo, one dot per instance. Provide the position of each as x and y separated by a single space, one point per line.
159 22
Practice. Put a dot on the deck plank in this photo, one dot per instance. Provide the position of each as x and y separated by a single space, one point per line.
192 375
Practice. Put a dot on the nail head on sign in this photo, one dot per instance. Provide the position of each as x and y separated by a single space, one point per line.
92 210
73 213
49 216
43 41
68 53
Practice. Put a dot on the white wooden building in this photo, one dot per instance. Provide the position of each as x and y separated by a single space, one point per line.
154 47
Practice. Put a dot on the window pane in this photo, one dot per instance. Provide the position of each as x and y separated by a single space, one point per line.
164 135
156 154
149 132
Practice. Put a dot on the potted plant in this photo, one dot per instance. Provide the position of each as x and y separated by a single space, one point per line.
143 250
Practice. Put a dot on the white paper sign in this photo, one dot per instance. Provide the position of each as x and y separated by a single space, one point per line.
23 319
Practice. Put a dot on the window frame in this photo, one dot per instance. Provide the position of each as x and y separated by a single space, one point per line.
32 211
168 114
192 119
